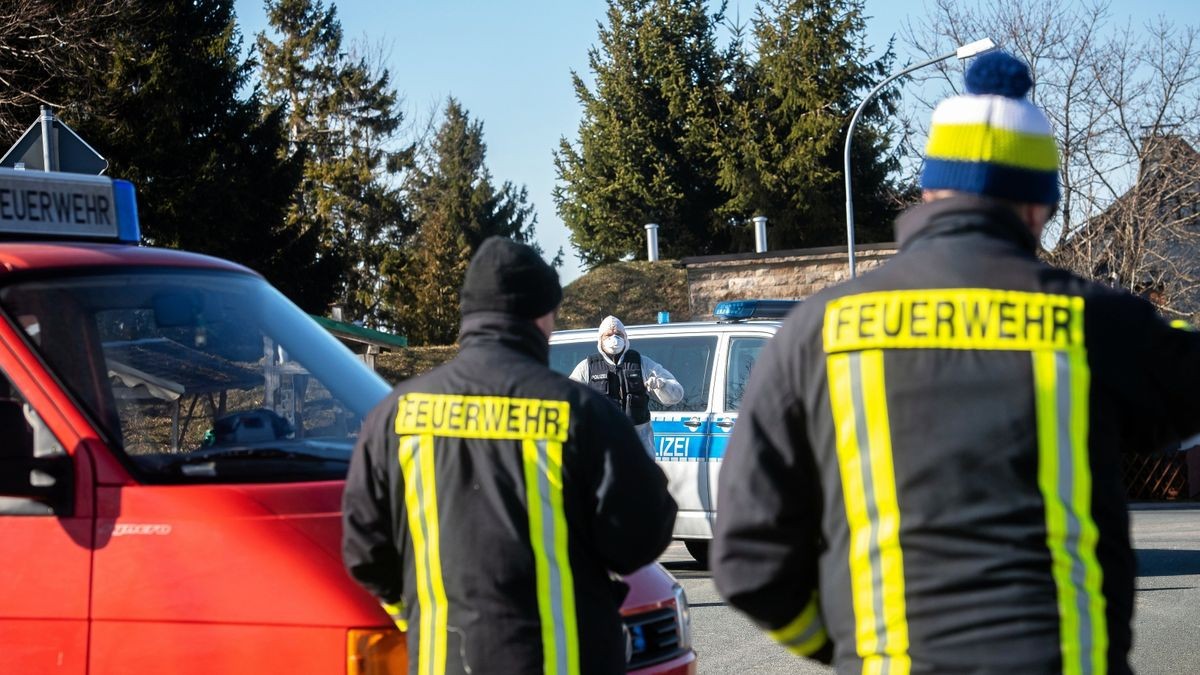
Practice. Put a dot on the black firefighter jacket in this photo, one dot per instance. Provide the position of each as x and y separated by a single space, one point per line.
490 498
925 476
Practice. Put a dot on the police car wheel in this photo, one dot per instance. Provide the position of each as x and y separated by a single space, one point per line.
698 548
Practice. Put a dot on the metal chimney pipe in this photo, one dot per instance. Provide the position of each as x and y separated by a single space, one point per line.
760 234
652 242
49 156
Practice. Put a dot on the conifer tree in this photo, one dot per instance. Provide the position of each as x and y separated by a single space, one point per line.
457 206
166 111
790 109
645 146
342 120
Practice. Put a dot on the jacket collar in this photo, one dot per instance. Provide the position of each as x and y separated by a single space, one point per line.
487 329
961 214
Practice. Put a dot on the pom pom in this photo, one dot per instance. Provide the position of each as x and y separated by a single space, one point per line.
998 73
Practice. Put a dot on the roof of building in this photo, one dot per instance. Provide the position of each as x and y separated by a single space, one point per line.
356 333
167 369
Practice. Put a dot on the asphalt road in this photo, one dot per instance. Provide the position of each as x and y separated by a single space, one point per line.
1166 624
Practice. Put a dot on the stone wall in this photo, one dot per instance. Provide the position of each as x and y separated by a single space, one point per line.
777 275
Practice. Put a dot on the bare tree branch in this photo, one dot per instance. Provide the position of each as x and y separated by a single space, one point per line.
48 50
1124 101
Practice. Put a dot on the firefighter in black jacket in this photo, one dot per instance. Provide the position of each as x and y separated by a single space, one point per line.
925 476
488 500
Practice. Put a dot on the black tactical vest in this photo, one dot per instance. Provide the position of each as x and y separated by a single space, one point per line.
622 383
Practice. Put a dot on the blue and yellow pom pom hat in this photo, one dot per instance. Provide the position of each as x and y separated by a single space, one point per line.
992 140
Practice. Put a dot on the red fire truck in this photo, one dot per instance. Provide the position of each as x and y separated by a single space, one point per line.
175 436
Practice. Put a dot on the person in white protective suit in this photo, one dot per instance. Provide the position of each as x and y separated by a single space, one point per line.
627 378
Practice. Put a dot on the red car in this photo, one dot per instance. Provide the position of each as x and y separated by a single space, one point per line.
176 435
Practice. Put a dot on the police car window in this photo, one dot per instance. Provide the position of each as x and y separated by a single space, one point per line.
565 356
690 360
743 352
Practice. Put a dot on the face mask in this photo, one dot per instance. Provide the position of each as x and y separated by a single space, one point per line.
613 345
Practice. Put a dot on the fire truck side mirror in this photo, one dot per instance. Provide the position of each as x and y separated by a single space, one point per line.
30 485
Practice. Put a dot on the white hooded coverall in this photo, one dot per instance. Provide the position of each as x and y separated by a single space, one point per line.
660 383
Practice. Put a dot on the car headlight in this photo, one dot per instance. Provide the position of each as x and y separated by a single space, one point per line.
683 617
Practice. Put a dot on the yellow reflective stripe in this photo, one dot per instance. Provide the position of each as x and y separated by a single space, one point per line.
987 143
1183 325
420 499
805 634
891 559
1089 535
416 528
956 318
396 611
533 500
810 646
862 590
1062 388
563 556
552 564
430 511
482 417
859 406
1045 384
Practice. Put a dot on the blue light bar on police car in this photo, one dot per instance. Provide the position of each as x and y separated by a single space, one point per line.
56 205
740 310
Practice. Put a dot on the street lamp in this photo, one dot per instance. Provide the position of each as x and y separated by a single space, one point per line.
964 52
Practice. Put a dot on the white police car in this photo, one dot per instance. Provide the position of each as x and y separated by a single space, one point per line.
712 360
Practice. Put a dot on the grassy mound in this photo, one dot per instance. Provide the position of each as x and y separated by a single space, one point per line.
397 366
634 292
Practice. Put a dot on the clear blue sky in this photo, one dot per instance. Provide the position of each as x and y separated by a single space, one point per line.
509 64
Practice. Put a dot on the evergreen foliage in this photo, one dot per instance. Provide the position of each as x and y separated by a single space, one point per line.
634 292
457 206
341 120
304 176
165 111
700 139
791 107
645 151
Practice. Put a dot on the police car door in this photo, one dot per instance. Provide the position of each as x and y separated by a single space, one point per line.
739 354
682 430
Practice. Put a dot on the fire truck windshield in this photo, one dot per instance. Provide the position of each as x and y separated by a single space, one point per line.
200 376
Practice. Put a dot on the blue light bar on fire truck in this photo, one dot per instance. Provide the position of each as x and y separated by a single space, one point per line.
54 205
741 310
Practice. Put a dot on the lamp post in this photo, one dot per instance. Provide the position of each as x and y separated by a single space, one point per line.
964 52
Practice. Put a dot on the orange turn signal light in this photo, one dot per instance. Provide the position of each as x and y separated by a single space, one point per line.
376 651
